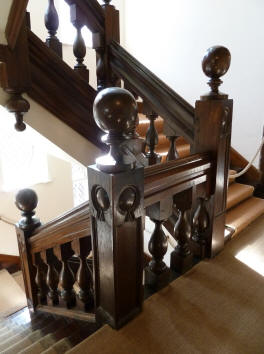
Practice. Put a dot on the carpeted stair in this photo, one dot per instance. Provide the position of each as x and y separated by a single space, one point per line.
242 207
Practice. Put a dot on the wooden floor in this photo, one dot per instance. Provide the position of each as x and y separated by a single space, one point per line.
217 307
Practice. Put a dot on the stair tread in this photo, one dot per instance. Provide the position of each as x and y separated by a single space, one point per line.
237 193
243 214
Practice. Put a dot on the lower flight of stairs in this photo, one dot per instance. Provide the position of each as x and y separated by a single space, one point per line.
242 207
41 333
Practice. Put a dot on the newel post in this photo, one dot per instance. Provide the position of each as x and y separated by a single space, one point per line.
26 201
116 204
213 123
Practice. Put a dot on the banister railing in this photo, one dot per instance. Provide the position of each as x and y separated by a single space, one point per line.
178 113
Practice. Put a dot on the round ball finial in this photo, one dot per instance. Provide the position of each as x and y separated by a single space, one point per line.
115 111
215 64
26 200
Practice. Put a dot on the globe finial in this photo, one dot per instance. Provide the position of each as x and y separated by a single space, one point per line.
27 200
215 64
115 112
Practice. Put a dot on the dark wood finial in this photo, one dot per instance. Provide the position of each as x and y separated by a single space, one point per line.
19 106
26 201
107 2
52 24
115 112
215 64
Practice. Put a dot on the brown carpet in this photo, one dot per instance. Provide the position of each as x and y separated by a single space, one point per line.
217 307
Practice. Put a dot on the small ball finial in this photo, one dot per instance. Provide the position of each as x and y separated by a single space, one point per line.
115 112
26 200
19 106
215 64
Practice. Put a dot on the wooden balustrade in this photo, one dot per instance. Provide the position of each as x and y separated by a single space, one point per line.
52 24
79 46
152 137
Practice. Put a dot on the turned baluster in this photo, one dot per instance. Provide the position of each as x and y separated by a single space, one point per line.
26 201
82 248
66 279
52 24
52 278
79 47
152 137
157 274
40 279
182 257
172 153
200 227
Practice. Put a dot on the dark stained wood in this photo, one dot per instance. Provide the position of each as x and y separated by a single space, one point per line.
116 206
67 227
67 280
52 279
173 177
200 226
41 276
82 248
92 13
157 274
50 77
52 25
15 22
213 133
164 101
172 153
10 263
79 47
3 49
181 257
152 138
15 75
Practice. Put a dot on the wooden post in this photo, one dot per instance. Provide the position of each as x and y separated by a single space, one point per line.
15 76
213 118
105 76
116 202
26 201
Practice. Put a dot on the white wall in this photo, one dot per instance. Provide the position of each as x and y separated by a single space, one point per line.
171 37
55 198
5 9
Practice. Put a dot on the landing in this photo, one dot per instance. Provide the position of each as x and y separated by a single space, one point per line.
217 307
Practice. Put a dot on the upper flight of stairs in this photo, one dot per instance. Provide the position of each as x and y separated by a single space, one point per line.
242 207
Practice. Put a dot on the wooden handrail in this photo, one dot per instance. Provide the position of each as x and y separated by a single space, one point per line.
178 113
159 180
62 91
15 21
93 14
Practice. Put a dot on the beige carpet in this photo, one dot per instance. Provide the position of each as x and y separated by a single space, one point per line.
217 307
12 297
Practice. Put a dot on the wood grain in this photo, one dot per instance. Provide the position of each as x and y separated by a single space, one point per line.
15 21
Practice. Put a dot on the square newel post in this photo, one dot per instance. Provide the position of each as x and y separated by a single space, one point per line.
213 123
116 189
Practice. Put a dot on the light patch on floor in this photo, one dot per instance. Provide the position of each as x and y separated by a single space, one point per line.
12 297
252 254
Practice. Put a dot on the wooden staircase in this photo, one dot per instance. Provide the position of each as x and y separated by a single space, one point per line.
189 192
41 333
242 207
